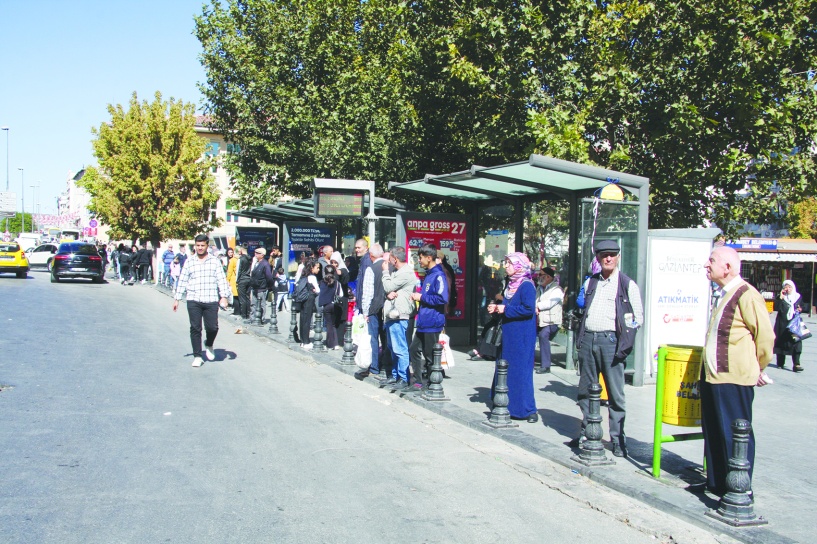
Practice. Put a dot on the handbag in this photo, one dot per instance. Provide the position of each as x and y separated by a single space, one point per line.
798 328
491 341
337 300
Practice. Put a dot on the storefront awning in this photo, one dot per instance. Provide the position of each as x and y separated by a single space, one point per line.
776 257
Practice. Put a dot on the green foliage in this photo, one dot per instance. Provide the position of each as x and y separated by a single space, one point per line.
152 183
707 99
803 218
14 224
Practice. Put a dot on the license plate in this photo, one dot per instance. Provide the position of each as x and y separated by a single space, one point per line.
6 257
79 269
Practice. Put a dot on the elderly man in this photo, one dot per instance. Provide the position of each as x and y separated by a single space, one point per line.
364 262
371 305
398 282
325 259
260 282
606 335
739 345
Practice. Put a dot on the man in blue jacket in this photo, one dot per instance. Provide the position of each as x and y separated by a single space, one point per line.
430 318
167 260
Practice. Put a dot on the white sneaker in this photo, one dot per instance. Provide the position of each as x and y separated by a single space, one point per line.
210 354
197 361
307 346
143 282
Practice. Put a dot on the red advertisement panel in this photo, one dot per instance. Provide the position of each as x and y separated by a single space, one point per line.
449 236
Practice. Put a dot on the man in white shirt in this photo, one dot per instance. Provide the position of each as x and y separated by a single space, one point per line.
206 284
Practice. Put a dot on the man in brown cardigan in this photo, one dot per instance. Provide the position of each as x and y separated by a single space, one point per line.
739 345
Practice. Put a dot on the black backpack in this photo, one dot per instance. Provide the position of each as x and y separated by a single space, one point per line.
302 291
124 257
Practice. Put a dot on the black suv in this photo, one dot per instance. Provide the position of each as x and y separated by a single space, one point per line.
77 260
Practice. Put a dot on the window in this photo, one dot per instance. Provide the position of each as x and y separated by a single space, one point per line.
231 206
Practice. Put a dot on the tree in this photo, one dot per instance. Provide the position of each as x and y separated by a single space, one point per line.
14 224
152 182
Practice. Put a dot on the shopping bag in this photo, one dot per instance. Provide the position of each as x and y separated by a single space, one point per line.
798 328
448 354
360 337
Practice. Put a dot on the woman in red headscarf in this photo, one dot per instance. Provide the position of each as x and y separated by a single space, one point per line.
518 313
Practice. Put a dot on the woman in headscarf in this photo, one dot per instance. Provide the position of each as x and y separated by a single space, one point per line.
518 311
343 279
787 305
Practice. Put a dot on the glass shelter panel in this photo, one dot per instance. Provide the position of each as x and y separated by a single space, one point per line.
610 220
496 239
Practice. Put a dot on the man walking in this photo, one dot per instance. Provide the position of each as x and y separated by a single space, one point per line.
371 306
606 335
399 285
430 318
206 285
739 345
260 281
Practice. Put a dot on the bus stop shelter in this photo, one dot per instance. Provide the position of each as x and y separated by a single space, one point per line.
480 190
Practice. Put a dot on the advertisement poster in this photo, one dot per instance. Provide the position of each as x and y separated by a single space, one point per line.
348 245
677 306
303 238
450 238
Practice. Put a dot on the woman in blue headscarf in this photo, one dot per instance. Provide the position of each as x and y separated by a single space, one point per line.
518 336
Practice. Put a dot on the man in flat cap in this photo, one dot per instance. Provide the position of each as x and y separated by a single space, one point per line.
606 335
260 281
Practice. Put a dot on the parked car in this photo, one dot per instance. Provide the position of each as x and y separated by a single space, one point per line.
77 260
13 259
42 255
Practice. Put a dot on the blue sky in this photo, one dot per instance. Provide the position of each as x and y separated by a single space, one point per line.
63 61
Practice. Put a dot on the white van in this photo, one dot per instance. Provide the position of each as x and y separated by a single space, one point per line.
28 239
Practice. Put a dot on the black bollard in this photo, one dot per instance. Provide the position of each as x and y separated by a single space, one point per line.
293 322
317 341
500 416
736 507
273 317
435 379
348 348
593 453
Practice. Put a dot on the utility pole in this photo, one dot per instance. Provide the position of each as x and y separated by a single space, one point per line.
23 196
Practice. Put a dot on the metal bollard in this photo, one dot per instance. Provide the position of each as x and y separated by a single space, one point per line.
435 388
293 323
593 453
736 507
273 317
348 348
317 340
500 416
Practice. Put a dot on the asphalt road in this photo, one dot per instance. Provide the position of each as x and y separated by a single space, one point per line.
109 435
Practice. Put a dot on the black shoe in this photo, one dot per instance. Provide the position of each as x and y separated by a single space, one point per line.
533 418
378 377
361 374
473 355
576 442
543 370
797 368
619 450
781 365
399 385
390 381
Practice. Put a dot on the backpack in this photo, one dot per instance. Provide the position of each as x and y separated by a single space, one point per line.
124 257
301 291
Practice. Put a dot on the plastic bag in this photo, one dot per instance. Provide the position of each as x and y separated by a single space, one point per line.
361 338
447 361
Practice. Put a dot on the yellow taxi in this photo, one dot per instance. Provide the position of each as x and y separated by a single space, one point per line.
13 259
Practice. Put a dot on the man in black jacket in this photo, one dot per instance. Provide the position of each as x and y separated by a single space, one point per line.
243 282
145 262
261 280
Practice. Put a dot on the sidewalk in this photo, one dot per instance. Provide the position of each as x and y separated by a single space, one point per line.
783 423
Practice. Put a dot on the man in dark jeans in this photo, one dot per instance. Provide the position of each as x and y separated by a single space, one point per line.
243 282
206 284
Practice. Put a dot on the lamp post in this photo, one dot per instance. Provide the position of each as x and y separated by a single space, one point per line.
6 129
34 189
23 196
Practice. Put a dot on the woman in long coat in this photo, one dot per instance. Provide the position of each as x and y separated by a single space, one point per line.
518 313
787 305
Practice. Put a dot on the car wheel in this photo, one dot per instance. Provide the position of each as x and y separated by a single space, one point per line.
97 279
54 279
49 264
22 275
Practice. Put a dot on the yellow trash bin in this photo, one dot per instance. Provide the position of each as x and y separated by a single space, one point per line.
682 399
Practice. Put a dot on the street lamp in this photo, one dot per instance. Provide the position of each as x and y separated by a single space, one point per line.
23 196
6 129
34 198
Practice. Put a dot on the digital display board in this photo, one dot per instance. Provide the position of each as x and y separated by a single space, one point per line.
333 203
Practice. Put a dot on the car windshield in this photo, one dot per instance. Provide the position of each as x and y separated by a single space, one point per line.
78 249
9 247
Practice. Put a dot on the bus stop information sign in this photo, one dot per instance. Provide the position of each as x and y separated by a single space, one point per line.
334 203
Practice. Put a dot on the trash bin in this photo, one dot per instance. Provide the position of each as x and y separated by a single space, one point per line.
682 399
